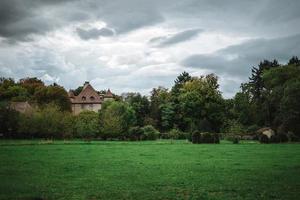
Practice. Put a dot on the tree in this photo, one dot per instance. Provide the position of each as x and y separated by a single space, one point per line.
31 84
140 105
202 104
290 107
53 94
45 122
294 61
115 119
167 116
5 83
175 93
159 96
9 120
87 124
180 81
77 91
17 93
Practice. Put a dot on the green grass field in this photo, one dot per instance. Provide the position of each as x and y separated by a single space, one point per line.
148 170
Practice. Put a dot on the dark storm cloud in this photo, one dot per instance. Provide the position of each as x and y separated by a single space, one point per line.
20 19
238 59
94 33
175 39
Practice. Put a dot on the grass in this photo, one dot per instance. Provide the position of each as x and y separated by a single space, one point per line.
148 170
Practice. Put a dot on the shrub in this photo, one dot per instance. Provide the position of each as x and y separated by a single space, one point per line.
279 138
274 139
150 133
115 119
252 129
283 138
292 137
135 133
87 124
45 122
9 120
198 137
174 133
263 139
236 140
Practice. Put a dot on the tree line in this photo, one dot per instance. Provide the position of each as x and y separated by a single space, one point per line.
192 105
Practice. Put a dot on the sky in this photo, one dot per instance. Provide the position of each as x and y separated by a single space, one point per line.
136 45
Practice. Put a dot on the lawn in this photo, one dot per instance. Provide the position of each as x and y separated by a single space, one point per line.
148 170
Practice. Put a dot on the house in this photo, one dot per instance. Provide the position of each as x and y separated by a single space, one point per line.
88 99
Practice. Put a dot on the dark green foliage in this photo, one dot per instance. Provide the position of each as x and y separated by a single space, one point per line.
135 133
31 84
199 138
264 139
236 140
53 94
202 104
294 61
77 91
46 122
9 121
87 124
115 119
150 133
140 104
175 134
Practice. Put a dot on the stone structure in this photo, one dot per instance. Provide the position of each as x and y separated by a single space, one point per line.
21 107
266 131
88 99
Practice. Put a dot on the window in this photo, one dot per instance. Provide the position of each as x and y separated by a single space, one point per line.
92 98
83 98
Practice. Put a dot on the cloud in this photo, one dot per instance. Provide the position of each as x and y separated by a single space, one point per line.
94 33
183 36
55 40
22 20
235 62
238 59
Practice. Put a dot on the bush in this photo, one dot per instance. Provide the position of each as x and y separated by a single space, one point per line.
283 138
135 133
292 137
274 139
252 129
235 139
150 133
9 121
115 119
279 138
174 133
263 139
46 122
87 124
198 137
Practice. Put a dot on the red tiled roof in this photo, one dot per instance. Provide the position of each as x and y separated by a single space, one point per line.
87 95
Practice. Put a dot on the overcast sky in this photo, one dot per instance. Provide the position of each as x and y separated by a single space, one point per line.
135 45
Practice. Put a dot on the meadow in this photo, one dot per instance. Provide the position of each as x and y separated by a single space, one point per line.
163 169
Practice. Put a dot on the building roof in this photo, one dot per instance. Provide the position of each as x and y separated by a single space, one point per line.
109 94
87 95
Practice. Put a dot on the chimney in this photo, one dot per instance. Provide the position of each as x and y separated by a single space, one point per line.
86 83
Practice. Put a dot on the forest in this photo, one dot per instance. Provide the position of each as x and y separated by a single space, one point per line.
193 105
